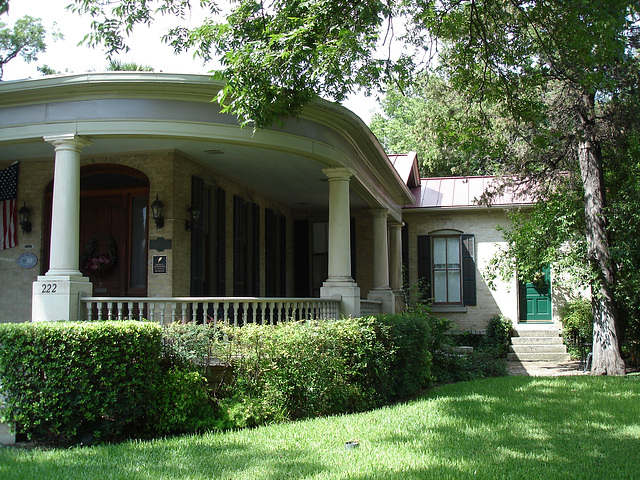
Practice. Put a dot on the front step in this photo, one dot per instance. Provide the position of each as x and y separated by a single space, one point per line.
536 344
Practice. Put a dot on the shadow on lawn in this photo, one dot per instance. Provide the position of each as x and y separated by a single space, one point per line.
516 427
569 427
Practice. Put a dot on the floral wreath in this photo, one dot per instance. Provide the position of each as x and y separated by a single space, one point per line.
95 262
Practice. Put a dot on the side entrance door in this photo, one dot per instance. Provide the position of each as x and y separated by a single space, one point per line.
535 299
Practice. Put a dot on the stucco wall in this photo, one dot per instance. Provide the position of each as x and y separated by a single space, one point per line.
481 223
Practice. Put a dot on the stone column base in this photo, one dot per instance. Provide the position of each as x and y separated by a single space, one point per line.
386 296
348 291
7 437
56 298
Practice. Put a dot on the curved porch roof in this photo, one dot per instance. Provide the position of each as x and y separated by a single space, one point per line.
124 112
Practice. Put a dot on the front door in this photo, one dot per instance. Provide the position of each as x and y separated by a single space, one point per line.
535 299
113 229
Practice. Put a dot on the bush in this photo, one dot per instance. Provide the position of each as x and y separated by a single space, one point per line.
577 326
303 369
104 380
63 380
499 330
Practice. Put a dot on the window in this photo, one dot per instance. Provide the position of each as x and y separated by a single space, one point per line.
446 265
447 287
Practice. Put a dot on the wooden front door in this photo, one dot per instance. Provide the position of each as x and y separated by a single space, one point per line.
104 243
535 299
114 205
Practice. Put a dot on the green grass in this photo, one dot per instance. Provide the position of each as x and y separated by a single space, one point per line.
510 427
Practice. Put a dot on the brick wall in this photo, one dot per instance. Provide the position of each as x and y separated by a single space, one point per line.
482 224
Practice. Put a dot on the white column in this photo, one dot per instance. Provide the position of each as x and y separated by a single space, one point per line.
395 255
381 290
56 294
340 283
380 249
339 224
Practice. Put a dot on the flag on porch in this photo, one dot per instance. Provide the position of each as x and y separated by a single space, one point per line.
8 206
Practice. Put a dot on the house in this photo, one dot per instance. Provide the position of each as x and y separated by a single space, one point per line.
299 210
145 200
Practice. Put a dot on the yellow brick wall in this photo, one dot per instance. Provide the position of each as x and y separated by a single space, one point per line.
169 174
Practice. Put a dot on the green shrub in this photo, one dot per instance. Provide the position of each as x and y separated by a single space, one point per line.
64 379
182 404
499 330
303 369
409 338
577 326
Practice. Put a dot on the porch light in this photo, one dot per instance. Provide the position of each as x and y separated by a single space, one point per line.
23 216
156 212
194 215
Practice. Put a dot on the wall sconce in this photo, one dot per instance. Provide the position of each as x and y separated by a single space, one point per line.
23 216
194 215
156 212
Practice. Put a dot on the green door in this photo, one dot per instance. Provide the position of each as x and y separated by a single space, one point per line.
535 299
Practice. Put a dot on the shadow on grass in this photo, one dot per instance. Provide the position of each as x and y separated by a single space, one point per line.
514 427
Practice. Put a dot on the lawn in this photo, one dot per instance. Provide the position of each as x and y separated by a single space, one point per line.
510 427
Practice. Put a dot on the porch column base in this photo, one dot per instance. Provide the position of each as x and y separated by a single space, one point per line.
348 290
56 298
384 295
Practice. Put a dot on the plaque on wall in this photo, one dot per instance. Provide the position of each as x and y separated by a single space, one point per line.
159 264
27 260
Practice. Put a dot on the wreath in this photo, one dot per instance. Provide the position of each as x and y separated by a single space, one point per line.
94 259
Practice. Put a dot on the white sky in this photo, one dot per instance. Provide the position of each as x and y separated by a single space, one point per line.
146 48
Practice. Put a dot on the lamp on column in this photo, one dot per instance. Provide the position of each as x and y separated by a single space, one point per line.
194 215
156 212
23 216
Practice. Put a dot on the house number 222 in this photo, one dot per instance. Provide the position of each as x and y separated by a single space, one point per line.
49 288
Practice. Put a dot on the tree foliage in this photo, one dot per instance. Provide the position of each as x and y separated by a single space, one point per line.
24 39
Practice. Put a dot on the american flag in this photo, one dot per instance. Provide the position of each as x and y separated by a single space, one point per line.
8 206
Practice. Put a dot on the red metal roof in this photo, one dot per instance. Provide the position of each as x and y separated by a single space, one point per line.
460 192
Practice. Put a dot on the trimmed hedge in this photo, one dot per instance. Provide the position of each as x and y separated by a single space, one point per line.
99 380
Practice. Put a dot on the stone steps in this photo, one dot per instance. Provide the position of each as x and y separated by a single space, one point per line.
532 343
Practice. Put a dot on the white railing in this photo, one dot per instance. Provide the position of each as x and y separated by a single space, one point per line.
370 307
234 310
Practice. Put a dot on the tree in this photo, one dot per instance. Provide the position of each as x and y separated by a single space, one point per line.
118 66
25 39
278 55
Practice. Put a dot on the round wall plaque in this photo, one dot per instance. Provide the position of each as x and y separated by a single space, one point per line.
27 260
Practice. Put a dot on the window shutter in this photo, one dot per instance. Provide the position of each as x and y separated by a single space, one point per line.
269 254
221 244
239 246
424 263
468 270
282 261
255 246
197 238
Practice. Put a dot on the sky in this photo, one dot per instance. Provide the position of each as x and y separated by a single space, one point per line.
67 56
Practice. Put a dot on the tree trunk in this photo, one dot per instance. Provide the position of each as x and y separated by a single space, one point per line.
607 359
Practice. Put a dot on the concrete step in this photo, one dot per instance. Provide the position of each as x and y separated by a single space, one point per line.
552 331
536 340
538 348
537 357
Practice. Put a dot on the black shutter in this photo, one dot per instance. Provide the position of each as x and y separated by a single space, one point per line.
221 244
255 246
405 254
468 270
197 238
239 246
301 258
269 253
424 263
282 260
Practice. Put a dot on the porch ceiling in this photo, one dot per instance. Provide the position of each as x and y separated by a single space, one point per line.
291 179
